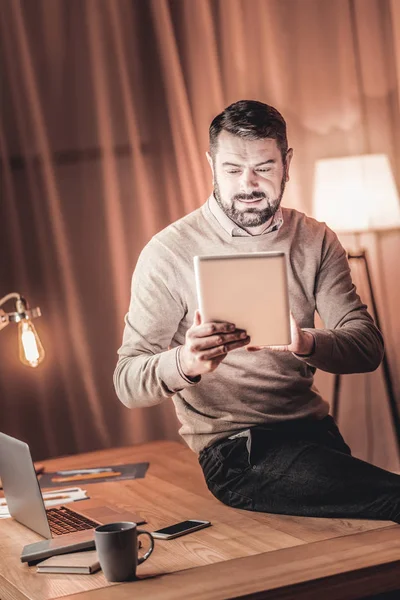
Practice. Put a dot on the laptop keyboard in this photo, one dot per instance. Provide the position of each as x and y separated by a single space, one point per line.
64 520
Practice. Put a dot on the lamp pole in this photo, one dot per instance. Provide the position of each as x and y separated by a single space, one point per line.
394 409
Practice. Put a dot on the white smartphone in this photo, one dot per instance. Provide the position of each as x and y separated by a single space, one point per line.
178 529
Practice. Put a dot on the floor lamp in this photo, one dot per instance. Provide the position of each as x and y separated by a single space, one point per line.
358 194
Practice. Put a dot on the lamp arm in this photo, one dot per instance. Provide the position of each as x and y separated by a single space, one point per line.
22 311
4 319
9 297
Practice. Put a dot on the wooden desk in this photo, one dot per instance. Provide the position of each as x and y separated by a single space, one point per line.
244 554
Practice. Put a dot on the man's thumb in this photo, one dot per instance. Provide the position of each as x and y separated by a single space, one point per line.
197 318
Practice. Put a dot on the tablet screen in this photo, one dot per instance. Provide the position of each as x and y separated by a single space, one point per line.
249 290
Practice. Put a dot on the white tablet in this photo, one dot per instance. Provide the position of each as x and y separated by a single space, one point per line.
249 290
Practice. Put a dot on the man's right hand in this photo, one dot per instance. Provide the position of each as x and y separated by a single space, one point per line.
207 344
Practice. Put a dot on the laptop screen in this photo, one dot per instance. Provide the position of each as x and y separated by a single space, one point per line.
21 486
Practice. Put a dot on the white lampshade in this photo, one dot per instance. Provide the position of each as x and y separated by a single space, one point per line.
356 193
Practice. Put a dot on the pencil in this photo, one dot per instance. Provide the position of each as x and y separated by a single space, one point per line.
56 498
63 497
89 476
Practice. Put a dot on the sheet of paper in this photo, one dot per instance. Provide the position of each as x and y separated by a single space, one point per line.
51 499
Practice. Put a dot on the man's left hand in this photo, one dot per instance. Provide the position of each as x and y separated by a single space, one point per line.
302 341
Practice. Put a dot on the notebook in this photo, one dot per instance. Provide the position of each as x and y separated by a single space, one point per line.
75 562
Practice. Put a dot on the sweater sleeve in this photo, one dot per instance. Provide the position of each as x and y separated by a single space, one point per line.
350 342
147 370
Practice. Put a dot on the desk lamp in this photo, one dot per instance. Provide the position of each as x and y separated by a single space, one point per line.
31 351
356 194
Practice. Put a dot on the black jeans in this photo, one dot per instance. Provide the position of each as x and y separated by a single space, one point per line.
301 467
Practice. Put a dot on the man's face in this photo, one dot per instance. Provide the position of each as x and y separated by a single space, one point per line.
249 178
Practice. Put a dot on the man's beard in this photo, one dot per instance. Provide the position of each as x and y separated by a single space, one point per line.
251 216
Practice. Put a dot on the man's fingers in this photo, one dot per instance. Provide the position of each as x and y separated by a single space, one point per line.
199 344
203 330
223 349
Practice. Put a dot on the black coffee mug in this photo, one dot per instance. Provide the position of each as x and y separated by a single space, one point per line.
117 549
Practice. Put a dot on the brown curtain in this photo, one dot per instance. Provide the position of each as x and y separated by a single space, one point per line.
104 125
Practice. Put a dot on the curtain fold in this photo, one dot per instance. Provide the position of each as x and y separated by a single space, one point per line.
104 127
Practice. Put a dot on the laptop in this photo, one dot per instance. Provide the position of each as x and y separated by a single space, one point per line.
250 290
25 502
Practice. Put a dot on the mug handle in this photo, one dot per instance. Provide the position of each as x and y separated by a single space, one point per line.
150 550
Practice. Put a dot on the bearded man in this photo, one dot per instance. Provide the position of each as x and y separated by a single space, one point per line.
261 429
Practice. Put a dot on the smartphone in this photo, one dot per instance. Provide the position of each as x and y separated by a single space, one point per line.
182 528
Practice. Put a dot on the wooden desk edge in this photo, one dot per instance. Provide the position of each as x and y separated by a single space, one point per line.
250 577
100 452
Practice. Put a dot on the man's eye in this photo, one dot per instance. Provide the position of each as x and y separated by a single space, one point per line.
233 171
263 170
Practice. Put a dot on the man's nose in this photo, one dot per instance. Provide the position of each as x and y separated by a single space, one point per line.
248 180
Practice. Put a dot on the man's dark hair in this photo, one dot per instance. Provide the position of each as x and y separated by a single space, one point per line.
251 120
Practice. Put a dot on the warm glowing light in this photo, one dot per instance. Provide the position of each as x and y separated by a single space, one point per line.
31 351
356 193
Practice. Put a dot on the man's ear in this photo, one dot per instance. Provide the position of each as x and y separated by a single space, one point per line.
289 156
210 162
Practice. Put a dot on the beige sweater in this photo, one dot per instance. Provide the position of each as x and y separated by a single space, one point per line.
246 389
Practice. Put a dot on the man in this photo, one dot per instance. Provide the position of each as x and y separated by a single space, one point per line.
261 429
